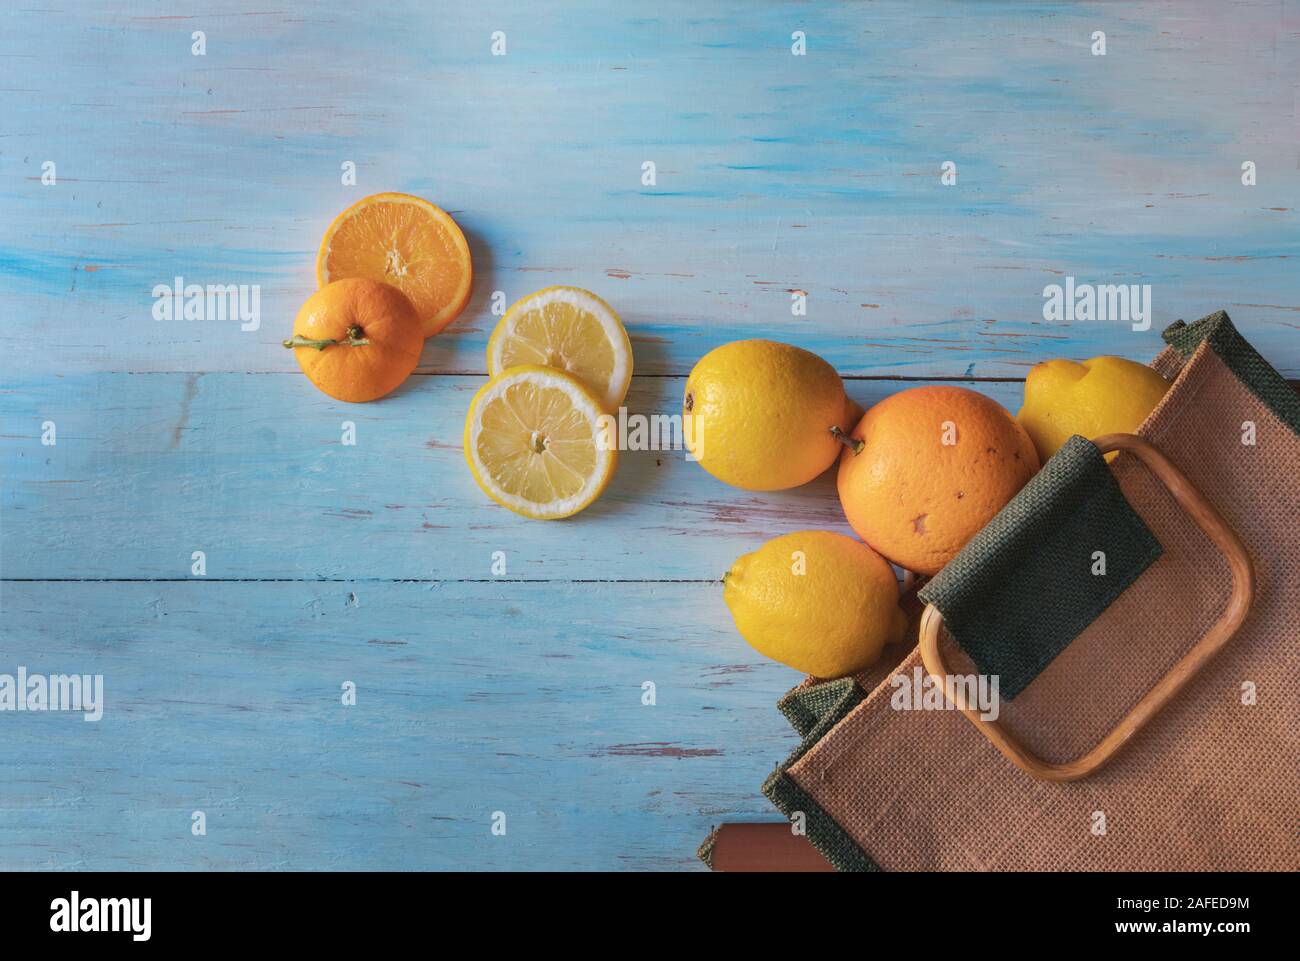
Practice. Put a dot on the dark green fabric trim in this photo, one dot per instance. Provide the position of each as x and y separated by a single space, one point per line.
1241 358
705 852
1023 588
806 707
813 711
823 831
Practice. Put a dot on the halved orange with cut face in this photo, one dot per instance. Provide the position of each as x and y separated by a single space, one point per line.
407 242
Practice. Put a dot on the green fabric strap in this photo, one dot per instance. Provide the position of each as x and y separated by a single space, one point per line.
1033 579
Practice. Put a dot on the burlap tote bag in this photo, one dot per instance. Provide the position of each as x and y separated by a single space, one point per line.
1212 781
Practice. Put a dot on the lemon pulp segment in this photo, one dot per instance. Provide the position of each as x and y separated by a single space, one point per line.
533 441
568 329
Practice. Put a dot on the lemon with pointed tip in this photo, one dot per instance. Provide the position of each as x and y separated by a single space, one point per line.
1104 395
760 414
538 442
819 602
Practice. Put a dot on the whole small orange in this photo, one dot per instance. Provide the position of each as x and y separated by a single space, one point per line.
928 468
357 340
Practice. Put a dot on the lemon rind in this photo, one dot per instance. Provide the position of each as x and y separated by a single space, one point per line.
583 398
620 379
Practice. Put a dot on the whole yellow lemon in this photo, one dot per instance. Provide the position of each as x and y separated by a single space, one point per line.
1105 395
819 602
760 414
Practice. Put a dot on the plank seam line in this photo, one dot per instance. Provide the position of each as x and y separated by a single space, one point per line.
943 378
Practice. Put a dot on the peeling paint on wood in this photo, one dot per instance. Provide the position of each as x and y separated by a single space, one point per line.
776 175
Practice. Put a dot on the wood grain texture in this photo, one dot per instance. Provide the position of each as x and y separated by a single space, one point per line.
775 174
266 493
471 698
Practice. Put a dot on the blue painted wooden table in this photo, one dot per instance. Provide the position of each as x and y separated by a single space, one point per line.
140 143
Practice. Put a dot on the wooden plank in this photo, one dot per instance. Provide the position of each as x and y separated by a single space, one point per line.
775 173
251 470
471 698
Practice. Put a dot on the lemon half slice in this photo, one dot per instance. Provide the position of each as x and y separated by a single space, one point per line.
572 330
535 442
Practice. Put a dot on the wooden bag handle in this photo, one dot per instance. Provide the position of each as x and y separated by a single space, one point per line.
1243 593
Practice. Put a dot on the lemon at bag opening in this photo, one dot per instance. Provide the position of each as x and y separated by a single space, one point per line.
820 602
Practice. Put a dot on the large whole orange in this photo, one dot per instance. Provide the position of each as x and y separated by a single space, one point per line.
935 464
357 339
